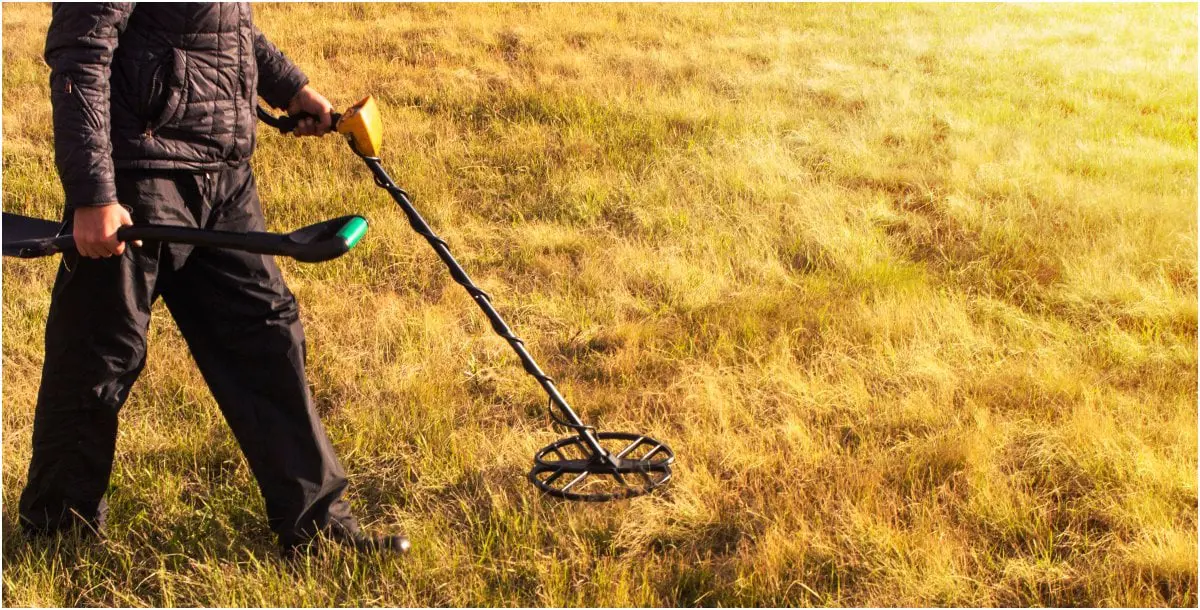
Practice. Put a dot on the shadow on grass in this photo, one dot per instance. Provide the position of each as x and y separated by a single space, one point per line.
154 532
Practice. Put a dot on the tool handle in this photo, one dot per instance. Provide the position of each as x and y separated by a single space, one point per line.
257 243
287 123
254 242
315 243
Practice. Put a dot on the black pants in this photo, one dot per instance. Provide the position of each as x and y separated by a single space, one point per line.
243 327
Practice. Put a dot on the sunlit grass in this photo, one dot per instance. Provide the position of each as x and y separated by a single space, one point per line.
910 289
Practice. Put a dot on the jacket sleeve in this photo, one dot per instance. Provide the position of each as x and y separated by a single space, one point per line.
79 51
279 80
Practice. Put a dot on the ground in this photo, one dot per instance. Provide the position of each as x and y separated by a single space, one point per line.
911 291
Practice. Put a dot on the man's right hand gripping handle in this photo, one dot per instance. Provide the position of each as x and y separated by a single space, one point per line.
95 230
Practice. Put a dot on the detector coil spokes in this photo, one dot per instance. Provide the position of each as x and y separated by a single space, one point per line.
632 465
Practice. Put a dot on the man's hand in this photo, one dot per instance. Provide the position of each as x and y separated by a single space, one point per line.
96 227
308 100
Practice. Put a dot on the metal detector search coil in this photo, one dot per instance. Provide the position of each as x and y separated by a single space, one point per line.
589 466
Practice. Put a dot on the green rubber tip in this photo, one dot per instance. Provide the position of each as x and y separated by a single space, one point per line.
353 231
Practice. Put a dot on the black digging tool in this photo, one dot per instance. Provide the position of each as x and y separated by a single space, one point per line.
592 466
27 237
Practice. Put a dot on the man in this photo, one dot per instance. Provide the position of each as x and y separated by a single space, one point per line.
154 122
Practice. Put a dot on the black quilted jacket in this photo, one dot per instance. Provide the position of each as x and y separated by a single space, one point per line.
159 86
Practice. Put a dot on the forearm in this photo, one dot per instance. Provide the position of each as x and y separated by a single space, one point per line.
279 80
79 48
82 149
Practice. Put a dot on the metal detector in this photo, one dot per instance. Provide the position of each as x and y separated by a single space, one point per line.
590 466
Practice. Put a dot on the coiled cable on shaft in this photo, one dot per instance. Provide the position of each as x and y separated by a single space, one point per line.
484 301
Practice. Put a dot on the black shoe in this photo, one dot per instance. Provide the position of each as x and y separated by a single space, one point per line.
379 543
356 541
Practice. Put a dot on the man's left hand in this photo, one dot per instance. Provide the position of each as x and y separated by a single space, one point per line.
308 100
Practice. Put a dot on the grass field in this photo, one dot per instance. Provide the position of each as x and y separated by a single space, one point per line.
911 290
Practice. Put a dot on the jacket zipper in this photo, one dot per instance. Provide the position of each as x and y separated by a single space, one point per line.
74 92
156 91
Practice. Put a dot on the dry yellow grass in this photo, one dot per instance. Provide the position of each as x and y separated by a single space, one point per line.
910 289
